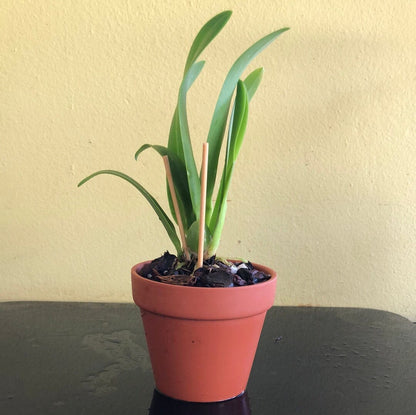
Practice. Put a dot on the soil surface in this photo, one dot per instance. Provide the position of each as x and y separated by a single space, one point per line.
214 273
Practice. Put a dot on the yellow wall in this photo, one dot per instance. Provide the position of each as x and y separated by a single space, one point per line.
325 189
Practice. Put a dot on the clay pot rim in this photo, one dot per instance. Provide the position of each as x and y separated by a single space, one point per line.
203 303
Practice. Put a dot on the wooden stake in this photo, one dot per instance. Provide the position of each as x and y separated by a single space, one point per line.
176 207
203 203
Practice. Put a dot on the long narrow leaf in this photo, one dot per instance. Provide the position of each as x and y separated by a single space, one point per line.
179 175
174 142
252 82
238 125
220 200
170 228
219 119
177 166
204 37
191 170
239 121
163 151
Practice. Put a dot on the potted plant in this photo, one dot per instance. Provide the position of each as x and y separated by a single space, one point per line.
202 315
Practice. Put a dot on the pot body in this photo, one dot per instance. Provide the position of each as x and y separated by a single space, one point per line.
202 341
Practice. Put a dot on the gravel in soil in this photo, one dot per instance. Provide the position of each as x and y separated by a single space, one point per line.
215 272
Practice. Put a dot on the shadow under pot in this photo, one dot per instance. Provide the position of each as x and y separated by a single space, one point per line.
162 405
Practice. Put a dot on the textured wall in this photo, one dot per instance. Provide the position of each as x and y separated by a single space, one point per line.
325 188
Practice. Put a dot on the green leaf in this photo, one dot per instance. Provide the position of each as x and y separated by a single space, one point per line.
238 125
191 170
204 37
174 143
252 82
192 237
179 175
219 119
178 169
170 228
163 151
239 120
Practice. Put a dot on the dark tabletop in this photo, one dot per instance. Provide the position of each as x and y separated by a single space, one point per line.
86 358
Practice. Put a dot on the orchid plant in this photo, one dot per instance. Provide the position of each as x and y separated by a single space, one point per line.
185 176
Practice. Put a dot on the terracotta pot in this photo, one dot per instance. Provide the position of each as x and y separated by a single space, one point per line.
202 341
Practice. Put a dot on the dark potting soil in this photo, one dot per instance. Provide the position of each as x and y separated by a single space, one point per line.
215 272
